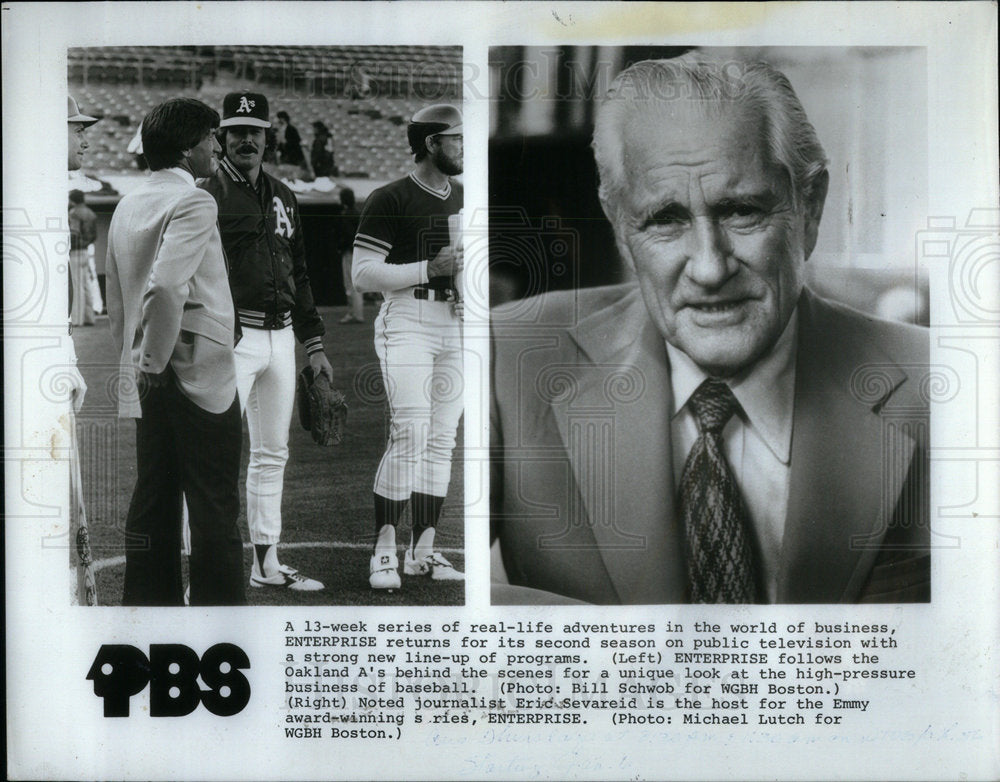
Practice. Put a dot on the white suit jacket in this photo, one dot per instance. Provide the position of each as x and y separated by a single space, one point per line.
168 293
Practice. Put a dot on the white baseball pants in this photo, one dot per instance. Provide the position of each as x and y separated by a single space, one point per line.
265 380
82 309
419 346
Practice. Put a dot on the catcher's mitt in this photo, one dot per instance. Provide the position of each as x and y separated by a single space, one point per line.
322 409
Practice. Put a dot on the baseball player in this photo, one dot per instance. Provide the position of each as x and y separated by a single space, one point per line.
262 236
83 589
404 248
82 234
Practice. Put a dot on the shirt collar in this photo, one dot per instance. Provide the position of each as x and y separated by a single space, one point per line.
183 173
766 393
234 173
443 193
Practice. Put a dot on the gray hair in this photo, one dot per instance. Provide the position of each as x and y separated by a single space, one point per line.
790 136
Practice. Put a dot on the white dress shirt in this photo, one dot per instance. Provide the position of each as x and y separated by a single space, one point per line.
757 442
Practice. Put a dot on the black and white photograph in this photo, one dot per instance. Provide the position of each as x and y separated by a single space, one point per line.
711 380
331 271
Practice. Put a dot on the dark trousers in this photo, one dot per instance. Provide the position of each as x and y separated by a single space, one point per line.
184 451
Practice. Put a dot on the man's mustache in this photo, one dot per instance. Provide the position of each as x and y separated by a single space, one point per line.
245 148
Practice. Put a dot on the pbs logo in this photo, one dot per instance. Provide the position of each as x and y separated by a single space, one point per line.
172 672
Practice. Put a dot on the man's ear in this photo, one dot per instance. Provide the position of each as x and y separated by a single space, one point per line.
427 143
813 209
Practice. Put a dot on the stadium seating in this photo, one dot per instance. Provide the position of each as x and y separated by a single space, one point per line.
364 95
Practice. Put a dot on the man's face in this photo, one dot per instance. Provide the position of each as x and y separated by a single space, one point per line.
245 147
202 160
446 154
709 223
77 144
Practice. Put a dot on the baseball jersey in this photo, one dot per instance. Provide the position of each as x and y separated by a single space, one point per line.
262 235
407 221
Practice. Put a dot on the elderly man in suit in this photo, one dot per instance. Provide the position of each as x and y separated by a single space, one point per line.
172 319
716 433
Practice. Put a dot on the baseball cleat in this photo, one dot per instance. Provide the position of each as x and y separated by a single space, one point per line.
286 578
384 571
433 565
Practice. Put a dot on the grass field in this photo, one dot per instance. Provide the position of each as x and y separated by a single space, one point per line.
327 525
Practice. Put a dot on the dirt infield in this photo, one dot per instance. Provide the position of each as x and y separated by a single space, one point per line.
327 507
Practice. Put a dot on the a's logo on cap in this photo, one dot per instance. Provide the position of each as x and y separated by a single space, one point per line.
245 108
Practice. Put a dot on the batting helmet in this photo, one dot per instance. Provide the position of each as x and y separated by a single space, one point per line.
437 120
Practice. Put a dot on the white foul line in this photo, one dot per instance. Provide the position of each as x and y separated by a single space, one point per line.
100 564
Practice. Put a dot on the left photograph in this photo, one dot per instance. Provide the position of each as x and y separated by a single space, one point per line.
266 308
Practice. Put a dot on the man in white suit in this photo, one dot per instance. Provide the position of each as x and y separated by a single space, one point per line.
717 433
173 322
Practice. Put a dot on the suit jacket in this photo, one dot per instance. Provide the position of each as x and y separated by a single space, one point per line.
582 481
168 293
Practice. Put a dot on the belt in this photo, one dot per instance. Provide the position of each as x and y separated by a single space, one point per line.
435 294
272 321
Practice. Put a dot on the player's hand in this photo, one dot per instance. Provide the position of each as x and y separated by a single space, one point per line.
458 308
445 264
320 365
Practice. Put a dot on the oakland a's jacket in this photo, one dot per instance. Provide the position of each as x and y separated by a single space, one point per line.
262 236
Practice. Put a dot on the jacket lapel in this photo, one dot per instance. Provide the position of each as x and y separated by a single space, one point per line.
847 464
616 431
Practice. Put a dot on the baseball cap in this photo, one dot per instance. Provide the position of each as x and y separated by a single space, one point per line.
447 117
74 115
245 108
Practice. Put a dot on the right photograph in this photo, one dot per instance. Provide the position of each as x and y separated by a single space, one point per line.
710 328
